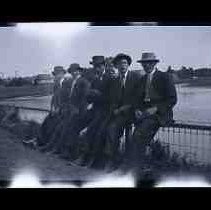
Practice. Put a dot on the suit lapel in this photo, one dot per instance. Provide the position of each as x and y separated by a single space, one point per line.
155 79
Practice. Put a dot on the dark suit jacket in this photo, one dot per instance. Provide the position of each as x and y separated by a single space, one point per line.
80 93
60 94
63 99
115 98
164 98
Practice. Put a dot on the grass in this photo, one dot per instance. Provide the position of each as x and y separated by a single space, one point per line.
23 129
27 90
161 158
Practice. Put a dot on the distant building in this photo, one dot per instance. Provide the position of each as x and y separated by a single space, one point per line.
43 79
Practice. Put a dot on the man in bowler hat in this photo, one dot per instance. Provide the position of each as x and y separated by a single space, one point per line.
93 114
53 118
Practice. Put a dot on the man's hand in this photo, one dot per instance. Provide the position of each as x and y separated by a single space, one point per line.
54 111
116 111
138 114
121 109
152 110
124 108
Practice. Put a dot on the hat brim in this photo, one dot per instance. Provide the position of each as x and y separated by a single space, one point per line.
92 63
116 59
54 73
148 61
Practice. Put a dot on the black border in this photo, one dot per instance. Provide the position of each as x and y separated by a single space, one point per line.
108 17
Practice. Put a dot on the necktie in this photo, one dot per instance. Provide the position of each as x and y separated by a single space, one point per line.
147 90
122 88
123 80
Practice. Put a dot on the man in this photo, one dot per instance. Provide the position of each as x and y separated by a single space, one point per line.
110 71
56 101
71 94
80 89
53 118
93 116
121 99
98 62
155 98
101 116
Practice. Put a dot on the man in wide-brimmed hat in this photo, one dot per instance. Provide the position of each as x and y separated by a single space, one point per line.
155 98
121 92
122 56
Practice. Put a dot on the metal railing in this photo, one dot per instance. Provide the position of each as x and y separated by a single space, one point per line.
191 141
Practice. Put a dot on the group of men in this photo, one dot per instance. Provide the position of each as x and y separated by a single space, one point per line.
91 110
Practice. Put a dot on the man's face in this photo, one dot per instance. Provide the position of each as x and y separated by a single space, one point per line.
148 66
75 73
111 71
122 66
99 70
59 76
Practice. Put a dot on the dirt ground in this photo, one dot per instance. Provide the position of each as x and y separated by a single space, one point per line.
15 159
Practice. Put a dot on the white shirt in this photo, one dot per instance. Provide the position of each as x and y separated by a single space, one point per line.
61 81
73 84
151 74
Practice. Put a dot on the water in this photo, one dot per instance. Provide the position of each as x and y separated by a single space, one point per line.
193 104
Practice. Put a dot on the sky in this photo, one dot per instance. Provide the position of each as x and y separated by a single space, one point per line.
34 48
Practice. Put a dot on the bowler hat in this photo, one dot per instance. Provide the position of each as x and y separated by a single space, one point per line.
74 67
97 59
121 56
58 69
148 57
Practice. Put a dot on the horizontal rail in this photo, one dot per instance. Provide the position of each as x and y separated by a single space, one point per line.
26 108
189 126
176 124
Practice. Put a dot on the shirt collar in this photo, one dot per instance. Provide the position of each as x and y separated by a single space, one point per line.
152 73
126 73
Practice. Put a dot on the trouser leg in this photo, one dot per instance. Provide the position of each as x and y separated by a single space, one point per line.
114 132
47 129
143 134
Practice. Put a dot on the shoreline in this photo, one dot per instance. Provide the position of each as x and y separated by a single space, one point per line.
25 91
197 82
